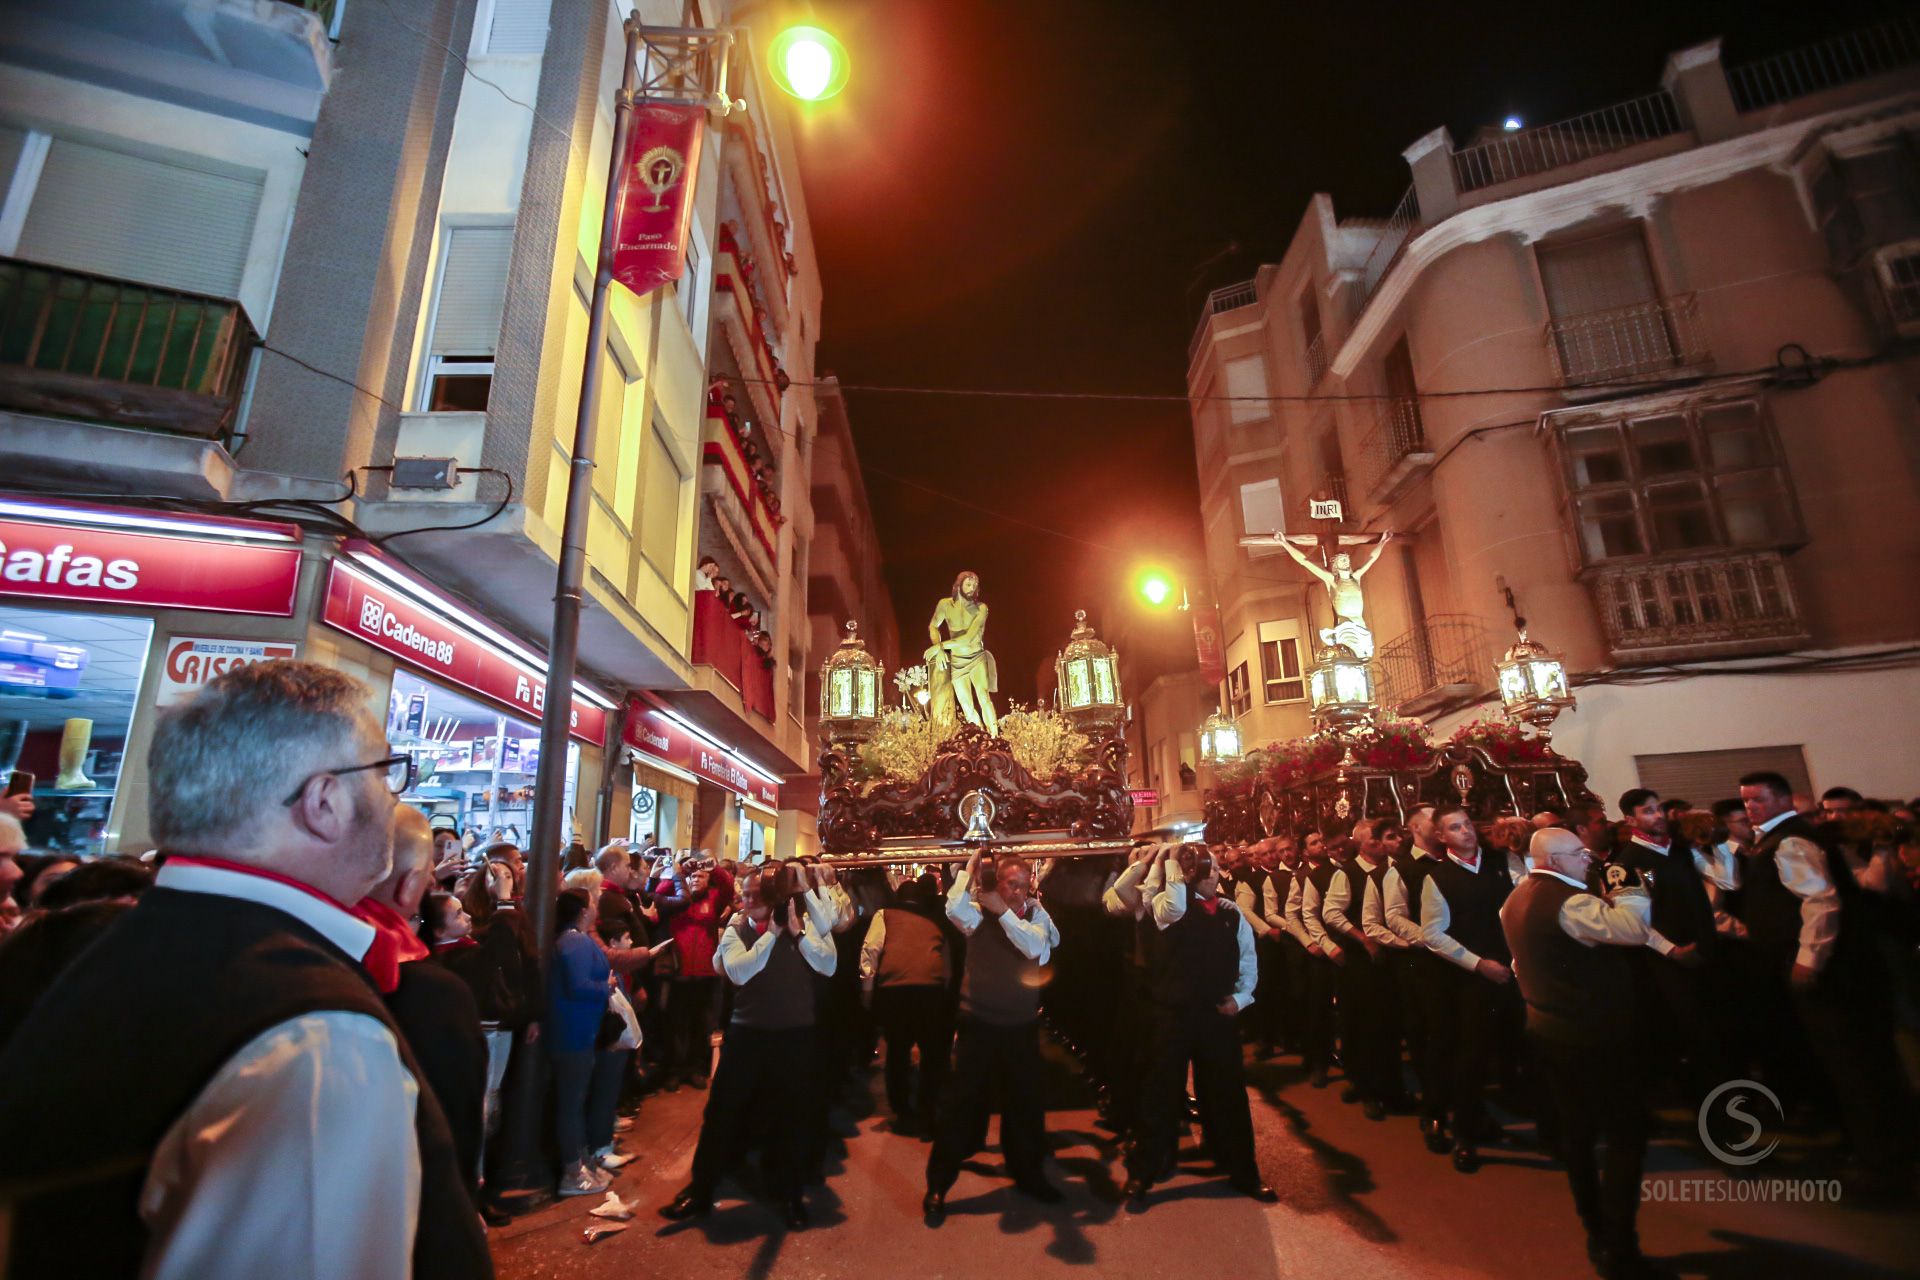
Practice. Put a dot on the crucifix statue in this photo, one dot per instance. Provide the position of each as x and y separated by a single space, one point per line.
1341 578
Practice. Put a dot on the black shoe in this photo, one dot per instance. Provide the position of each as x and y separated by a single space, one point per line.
698 1082
1597 1252
494 1216
1264 1053
905 1127
1466 1159
1626 1262
689 1205
1135 1195
933 1208
1040 1189
1350 1094
1373 1109
1319 1078
796 1214
1435 1133
1254 1189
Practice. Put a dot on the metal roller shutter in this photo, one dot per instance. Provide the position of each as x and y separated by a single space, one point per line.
473 290
1706 776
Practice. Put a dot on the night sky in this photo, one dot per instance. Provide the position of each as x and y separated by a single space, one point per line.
1038 195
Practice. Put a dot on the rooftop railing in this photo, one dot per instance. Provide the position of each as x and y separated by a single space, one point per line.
1856 55
1226 298
1526 152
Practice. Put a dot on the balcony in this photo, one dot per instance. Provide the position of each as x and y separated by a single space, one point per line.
722 644
1316 359
1395 451
749 527
1717 606
1651 340
1507 157
1446 661
76 345
1230 298
745 327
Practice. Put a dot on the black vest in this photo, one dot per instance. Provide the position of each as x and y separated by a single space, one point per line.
781 996
1771 911
184 981
1682 912
1378 878
1320 876
1575 994
1199 956
1413 878
1474 900
1000 985
1282 878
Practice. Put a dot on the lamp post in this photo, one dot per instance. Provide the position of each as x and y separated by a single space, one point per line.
1088 680
1533 685
850 698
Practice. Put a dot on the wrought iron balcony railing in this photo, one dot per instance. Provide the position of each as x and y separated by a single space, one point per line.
1316 360
1526 152
1227 298
77 345
1394 451
1652 339
1450 656
1827 64
1708 606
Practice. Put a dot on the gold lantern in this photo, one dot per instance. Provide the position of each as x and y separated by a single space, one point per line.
1533 685
1089 680
850 690
1219 741
1340 687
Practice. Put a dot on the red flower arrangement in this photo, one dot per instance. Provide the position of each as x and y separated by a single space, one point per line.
1397 746
1290 763
1504 742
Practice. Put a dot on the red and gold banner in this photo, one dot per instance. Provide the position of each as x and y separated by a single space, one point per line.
656 196
1207 643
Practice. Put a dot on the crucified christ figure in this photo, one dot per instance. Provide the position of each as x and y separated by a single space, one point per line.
1343 588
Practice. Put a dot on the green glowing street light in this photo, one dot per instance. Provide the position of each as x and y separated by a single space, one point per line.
1155 588
808 63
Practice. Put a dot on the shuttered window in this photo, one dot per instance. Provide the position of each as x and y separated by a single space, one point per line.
1603 273
136 218
11 143
1706 776
1246 383
473 289
518 27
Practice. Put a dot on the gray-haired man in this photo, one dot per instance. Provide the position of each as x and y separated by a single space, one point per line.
277 1100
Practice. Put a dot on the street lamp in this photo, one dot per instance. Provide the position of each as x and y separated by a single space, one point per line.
1088 684
1533 685
850 690
1340 687
808 63
1219 741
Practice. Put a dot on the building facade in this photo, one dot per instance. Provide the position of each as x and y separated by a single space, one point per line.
1651 371
256 257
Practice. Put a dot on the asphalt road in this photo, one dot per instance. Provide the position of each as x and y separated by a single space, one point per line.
1358 1198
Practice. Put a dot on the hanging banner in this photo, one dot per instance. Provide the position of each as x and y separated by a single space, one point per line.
1206 643
656 196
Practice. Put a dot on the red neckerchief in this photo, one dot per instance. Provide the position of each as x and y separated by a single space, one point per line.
456 945
1209 905
1648 841
1460 862
393 942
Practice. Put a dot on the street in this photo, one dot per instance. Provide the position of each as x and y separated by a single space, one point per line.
1357 1198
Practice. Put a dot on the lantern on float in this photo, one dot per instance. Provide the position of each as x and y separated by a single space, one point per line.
850 690
1340 687
1219 741
1088 687
1533 685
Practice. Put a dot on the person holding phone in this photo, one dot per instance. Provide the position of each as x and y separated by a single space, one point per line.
18 801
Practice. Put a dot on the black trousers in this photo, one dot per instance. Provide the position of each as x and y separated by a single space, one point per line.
1210 1041
915 1018
1269 1013
1323 978
1463 1039
1408 968
1599 1095
1850 1023
1133 1036
1299 966
758 1064
692 1005
1366 1026
990 1060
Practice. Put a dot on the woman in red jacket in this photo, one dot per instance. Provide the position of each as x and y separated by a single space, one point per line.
695 910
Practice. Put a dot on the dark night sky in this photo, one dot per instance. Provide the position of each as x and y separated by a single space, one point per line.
1036 195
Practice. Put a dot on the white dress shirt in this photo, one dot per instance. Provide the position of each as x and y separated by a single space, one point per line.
1591 920
1341 910
1123 897
297 1160
1035 937
1719 869
1252 902
1803 870
1295 910
1310 917
742 963
1373 914
1170 907
1393 887
1436 918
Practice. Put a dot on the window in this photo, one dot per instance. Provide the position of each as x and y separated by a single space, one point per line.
689 288
1898 266
505 28
1867 200
1697 775
466 319
1239 695
1246 387
175 222
1314 342
617 443
1699 477
1280 677
660 507
1262 513
1406 432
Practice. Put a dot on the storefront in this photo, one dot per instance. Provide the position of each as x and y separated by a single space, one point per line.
107 614
704 794
465 699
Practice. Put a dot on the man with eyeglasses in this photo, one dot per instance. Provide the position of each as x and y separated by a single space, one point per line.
1572 955
278 1101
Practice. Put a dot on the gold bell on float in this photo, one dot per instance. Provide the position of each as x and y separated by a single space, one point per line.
74 741
977 808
